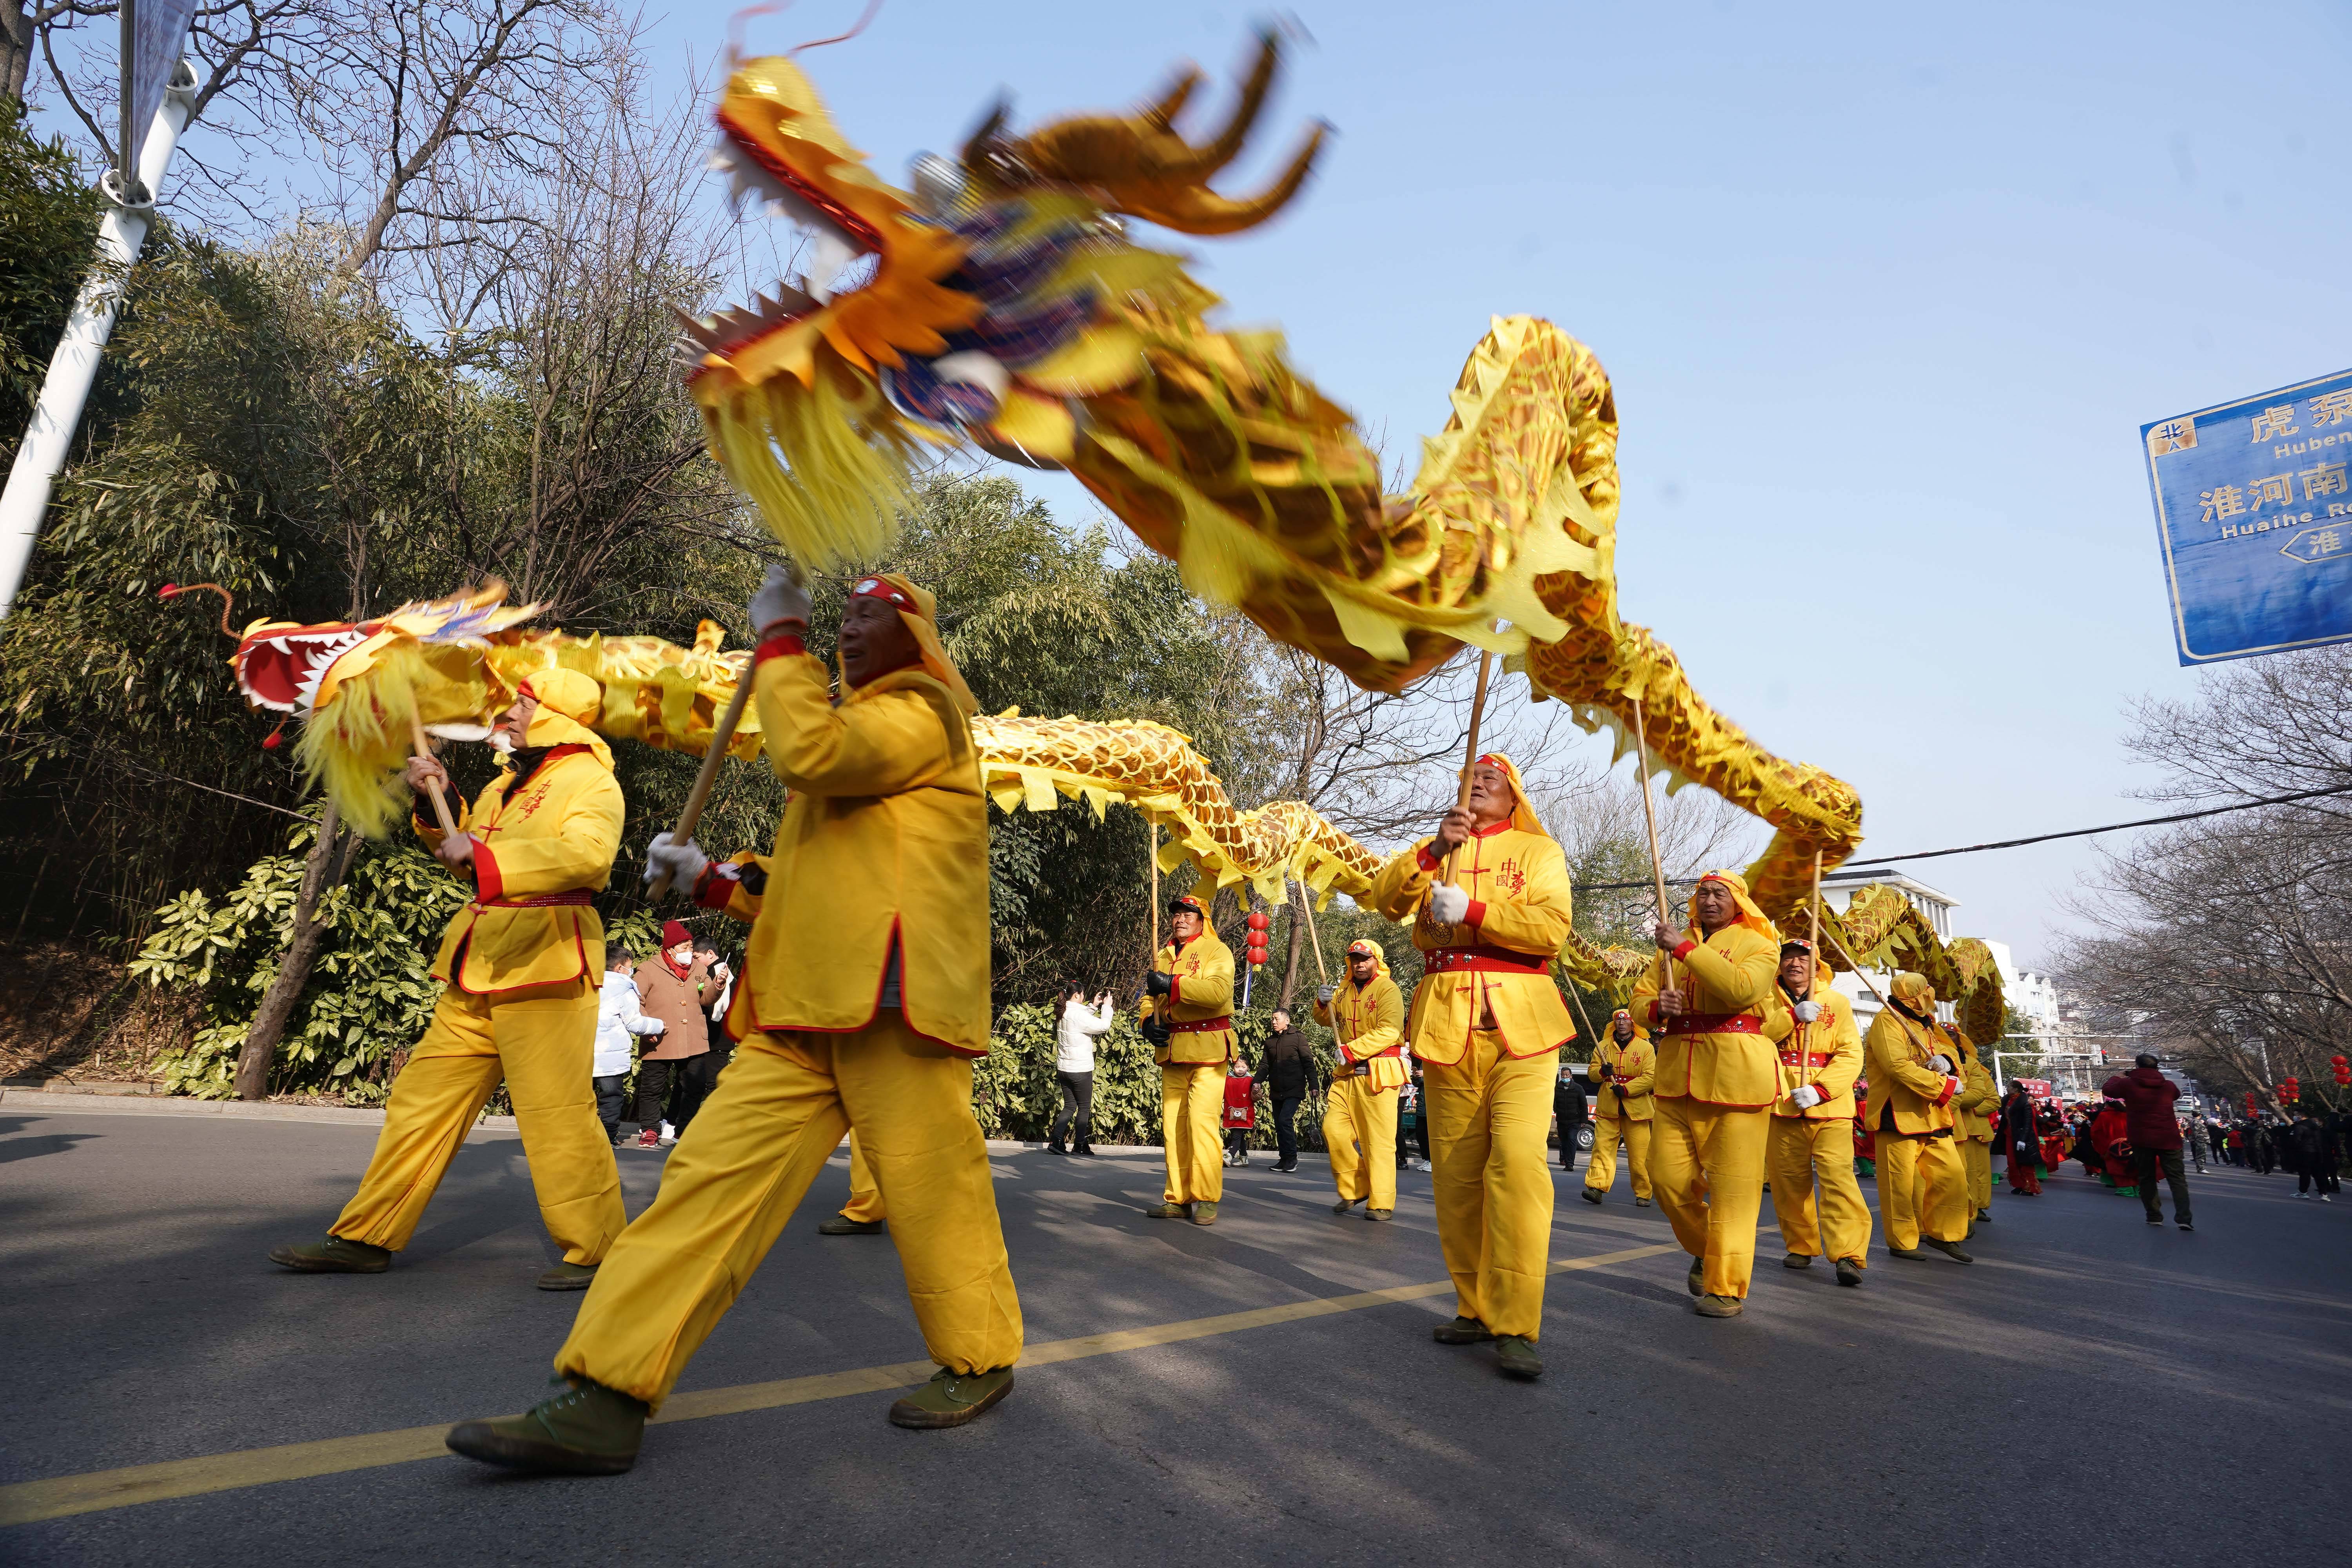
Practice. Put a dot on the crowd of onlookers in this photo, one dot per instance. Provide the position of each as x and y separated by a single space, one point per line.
674 1006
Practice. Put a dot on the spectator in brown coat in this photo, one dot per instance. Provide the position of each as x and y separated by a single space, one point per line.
2154 1134
669 988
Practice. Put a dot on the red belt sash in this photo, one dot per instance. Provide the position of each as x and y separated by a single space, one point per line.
1716 1023
1202 1026
1482 961
577 896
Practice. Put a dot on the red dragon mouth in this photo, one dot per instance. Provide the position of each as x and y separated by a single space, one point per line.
838 239
281 669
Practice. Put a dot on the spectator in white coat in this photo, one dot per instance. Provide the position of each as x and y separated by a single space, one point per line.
618 1018
1074 1067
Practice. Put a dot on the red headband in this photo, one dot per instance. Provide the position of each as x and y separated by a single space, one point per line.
877 588
1493 759
1368 949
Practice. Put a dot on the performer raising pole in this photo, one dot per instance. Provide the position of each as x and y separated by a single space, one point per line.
1487 1025
522 962
1812 1121
1188 1017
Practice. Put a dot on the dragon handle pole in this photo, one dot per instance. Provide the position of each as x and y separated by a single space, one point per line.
1650 819
1470 756
1307 903
699 796
424 745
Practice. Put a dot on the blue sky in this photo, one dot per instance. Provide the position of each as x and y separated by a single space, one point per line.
1885 293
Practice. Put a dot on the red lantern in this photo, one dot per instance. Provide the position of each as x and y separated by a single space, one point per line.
2289 1090
2343 1070
1258 941
1259 919
2253 1104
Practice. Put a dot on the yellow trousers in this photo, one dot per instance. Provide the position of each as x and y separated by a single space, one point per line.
1976 1160
742 1167
1600 1171
1708 1162
1490 1174
1360 1128
545 1049
864 1204
1923 1189
1839 1225
1192 1131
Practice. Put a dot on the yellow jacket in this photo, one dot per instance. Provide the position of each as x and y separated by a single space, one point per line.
556 836
1204 996
883 846
1899 1051
1730 976
1501 955
1366 1021
1977 1100
1635 1064
1825 1052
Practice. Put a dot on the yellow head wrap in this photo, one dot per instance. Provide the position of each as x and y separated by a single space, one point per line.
1523 815
1750 915
918 613
1913 990
569 702
1370 950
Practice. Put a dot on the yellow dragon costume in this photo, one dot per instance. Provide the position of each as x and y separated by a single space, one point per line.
1001 306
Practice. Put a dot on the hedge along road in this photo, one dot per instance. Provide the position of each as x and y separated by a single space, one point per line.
1266 1387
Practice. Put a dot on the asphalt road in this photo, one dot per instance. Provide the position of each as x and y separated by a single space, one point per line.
2093 1387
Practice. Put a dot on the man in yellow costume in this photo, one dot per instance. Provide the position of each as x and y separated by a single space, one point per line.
1813 1124
1489 895
1973 1126
522 961
1188 1017
1716 1011
863 1001
1365 1014
1624 1071
1922 1186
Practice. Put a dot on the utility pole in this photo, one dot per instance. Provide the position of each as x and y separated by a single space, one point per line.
130 191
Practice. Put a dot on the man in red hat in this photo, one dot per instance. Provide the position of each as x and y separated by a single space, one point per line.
523 963
1488 895
672 986
1188 1017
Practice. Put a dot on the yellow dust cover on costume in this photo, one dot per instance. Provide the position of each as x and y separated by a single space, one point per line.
1203 968
1826 1054
873 854
557 834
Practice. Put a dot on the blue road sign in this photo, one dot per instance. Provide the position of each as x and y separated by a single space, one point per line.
2254 514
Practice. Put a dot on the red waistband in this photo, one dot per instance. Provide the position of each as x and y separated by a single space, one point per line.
1202 1026
1716 1023
1481 960
540 901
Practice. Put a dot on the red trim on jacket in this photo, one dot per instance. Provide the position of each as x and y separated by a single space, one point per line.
1684 951
487 883
782 645
1475 915
1951 1087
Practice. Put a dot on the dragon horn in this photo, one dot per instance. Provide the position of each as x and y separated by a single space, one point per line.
989 131
1214 155
1199 210
1169 104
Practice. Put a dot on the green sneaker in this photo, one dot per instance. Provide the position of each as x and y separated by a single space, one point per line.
1204 1214
1344 1204
1696 1279
842 1224
334 1255
951 1398
569 1276
586 1430
1380 1213
1950 1250
1719 1307
1168 1211
1515 1355
1461 1331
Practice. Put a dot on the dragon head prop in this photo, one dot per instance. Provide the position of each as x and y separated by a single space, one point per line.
981 308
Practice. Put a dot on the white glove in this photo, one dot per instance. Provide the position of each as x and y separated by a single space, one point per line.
1806 1096
1448 904
1942 1064
684 862
1324 993
779 599
1808 1010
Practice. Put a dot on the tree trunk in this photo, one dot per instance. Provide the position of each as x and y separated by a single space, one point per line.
330 856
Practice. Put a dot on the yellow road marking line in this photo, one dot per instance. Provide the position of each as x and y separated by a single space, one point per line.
26 1503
